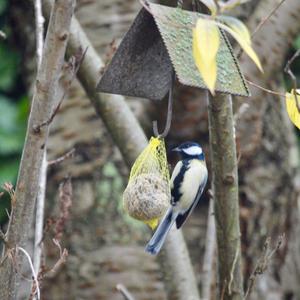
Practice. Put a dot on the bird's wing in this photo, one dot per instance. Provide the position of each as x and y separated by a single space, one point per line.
180 220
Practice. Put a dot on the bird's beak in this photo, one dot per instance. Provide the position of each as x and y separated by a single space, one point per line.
176 149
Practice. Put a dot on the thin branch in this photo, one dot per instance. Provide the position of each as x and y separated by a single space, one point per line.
33 272
265 19
262 23
265 89
288 70
210 248
73 65
232 270
63 254
39 216
59 160
263 262
124 291
39 27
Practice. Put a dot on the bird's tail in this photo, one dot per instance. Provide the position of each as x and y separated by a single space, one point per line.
157 240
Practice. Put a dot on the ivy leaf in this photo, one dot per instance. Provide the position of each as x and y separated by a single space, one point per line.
291 107
211 5
206 42
243 39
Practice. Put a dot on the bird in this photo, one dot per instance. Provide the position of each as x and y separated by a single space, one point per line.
188 181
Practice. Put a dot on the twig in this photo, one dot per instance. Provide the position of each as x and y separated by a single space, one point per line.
73 64
232 270
124 291
262 23
210 247
33 272
263 262
63 254
288 70
65 201
39 215
39 27
265 19
265 89
40 199
62 158
3 237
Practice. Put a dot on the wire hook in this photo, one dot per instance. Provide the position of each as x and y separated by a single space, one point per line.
169 114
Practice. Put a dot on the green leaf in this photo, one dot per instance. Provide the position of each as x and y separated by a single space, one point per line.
297 43
12 127
9 62
8 170
3 5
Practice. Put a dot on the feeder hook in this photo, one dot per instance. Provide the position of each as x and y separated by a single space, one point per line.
169 115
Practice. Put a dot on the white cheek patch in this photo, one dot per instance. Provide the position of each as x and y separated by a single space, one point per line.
194 150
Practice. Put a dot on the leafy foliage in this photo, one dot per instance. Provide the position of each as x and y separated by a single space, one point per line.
13 113
206 41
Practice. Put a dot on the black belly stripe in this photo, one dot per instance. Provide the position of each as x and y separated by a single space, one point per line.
175 192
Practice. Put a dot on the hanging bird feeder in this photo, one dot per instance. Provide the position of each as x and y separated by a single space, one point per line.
158 43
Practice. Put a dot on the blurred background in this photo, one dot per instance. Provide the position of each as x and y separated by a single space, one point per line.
105 245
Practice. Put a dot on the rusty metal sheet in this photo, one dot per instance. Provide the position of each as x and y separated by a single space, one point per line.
141 67
175 26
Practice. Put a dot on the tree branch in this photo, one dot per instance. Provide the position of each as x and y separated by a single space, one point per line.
131 140
226 198
42 106
210 249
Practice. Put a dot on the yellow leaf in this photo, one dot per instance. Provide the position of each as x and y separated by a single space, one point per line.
244 43
206 42
237 26
211 5
291 107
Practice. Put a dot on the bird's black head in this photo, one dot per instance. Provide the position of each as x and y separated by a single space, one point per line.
190 150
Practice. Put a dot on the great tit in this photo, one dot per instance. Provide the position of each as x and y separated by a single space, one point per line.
187 184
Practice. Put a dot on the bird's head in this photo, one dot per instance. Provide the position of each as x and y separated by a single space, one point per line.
190 150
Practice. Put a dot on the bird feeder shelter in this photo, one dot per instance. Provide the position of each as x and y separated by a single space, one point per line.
158 43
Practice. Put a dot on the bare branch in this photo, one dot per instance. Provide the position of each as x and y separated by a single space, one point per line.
39 27
65 201
59 160
265 19
263 262
210 247
42 106
288 70
33 272
63 254
70 69
124 291
226 196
